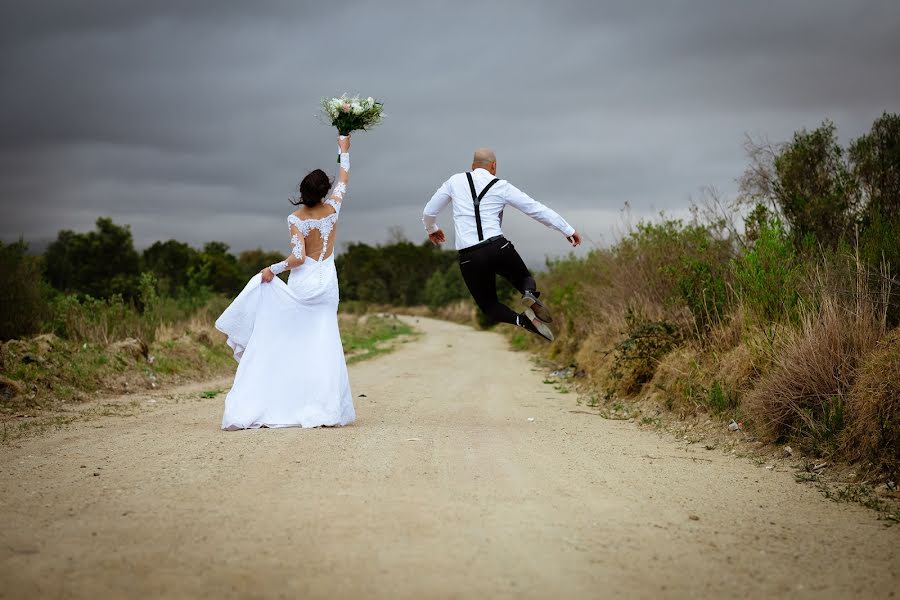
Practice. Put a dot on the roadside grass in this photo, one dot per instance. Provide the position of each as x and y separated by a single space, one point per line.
47 381
687 325
365 337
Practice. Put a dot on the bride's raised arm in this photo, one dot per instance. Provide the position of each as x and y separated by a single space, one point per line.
298 244
340 188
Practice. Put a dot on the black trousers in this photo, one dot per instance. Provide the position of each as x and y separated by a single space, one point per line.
480 266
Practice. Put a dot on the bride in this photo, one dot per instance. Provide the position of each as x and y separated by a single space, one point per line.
291 368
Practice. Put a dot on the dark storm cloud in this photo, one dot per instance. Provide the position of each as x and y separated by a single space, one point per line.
194 120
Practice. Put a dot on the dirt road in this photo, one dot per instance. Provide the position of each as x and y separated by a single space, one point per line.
445 487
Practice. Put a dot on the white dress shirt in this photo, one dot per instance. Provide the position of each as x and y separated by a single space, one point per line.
456 190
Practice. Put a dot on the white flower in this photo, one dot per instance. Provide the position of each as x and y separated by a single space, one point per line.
370 101
356 108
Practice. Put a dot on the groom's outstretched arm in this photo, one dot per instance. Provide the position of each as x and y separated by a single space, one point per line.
438 202
537 211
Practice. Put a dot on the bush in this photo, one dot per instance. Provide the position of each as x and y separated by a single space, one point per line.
445 286
23 296
638 355
873 407
813 369
682 266
99 321
703 290
766 275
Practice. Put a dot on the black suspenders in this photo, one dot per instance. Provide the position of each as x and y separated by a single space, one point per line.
476 199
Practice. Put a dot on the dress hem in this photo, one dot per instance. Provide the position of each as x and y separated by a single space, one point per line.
283 426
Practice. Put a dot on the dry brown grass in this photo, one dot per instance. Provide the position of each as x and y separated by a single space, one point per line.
873 408
462 311
813 367
595 356
737 369
677 378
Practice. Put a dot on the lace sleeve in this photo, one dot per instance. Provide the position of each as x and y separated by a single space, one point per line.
298 250
340 188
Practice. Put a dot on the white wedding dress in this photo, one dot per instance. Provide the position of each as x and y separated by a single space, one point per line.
291 368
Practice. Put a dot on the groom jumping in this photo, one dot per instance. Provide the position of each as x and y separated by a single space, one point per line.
478 201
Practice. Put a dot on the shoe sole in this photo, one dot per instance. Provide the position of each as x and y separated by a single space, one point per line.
545 331
539 309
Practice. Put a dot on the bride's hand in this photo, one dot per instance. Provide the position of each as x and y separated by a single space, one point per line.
267 275
344 143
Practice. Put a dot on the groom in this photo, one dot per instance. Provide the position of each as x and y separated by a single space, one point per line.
478 199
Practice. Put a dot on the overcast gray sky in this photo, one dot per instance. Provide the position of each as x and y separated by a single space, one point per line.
195 120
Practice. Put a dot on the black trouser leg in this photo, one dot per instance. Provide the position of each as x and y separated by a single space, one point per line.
479 270
511 267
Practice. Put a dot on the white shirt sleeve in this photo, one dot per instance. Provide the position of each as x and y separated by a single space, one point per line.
537 211
438 202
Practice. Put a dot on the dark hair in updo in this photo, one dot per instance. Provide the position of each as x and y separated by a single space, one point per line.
312 189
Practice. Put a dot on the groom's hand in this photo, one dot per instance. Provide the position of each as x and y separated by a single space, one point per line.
574 239
437 237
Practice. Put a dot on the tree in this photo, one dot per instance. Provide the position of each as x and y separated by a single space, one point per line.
814 187
23 302
100 263
170 262
875 158
252 262
445 286
394 273
217 269
807 182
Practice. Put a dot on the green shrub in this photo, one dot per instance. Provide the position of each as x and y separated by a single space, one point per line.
99 321
721 399
445 286
767 275
23 296
638 355
684 266
704 292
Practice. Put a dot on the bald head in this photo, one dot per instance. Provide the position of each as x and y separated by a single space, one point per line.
485 159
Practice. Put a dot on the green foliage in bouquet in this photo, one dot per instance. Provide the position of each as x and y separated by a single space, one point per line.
351 114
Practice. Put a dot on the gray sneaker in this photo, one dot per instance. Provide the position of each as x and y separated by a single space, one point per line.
539 328
530 300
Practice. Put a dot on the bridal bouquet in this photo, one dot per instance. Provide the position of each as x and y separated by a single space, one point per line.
350 114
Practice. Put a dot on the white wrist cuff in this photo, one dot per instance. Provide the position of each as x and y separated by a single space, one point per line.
345 161
279 267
